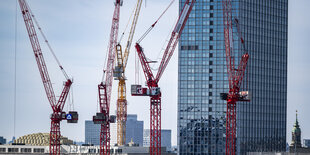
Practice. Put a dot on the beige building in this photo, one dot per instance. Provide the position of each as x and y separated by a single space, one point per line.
40 139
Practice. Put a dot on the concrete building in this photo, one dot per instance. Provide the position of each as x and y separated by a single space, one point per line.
165 138
202 77
77 150
2 140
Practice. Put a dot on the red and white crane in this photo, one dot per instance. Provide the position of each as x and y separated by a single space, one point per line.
235 77
153 89
105 87
57 106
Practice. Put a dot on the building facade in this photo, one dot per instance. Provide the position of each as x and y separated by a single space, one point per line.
261 123
134 130
2 140
92 132
165 138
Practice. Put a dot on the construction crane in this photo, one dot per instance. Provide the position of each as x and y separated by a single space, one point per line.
119 74
235 76
57 106
105 87
153 89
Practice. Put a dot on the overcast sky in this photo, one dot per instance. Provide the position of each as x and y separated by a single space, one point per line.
78 31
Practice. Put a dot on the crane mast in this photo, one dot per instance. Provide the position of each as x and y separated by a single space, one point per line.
152 82
105 87
57 106
119 74
235 77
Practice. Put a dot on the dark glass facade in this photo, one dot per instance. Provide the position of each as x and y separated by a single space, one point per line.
261 123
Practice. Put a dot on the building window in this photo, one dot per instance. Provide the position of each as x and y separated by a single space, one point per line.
210 101
2 149
211 47
25 150
211 38
210 85
35 150
211 7
211 30
210 62
211 54
210 93
210 109
12 149
211 22
210 78
210 70
211 14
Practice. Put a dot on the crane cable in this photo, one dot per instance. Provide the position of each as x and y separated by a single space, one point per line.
15 70
49 46
152 26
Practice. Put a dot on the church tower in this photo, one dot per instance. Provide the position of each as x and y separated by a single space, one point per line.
296 134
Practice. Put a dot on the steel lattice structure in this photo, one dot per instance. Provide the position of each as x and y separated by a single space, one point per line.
57 106
235 77
119 74
152 82
105 87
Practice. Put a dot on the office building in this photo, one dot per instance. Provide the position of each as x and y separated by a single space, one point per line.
2 140
165 138
134 131
261 123
92 132
307 143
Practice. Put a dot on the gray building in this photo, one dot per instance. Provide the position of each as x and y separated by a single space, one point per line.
92 132
307 143
261 123
134 130
2 140
165 138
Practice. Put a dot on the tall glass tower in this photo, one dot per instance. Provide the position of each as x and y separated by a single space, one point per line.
261 123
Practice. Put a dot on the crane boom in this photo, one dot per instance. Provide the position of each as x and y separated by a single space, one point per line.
153 90
176 33
131 33
111 49
37 52
58 106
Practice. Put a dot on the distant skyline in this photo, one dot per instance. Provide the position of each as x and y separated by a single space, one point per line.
78 32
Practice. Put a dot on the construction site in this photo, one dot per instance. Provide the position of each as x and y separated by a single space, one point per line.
148 77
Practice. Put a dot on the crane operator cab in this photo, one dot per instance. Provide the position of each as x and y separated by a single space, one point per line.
101 118
72 117
137 90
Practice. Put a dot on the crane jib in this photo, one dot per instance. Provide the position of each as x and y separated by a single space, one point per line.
182 18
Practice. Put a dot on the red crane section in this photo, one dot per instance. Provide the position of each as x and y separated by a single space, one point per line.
57 106
105 87
153 90
235 77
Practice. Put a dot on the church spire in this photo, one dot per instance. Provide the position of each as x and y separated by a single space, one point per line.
296 134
